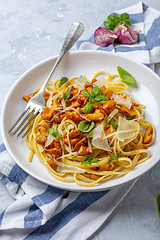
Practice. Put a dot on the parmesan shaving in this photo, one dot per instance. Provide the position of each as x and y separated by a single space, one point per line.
126 129
82 80
121 100
101 82
98 141
49 140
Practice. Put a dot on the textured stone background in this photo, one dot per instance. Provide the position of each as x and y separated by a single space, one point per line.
34 30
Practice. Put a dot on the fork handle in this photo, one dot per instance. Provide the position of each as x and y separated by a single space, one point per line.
73 35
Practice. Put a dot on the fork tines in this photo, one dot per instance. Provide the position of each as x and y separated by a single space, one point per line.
23 122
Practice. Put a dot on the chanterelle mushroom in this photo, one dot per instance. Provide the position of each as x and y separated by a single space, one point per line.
98 115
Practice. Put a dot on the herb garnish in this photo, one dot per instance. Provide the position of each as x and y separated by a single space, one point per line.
131 117
126 76
88 107
86 94
53 132
89 160
95 95
114 20
63 80
101 98
67 94
96 91
115 125
113 158
86 126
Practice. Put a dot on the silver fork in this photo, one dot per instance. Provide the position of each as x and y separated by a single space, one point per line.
36 103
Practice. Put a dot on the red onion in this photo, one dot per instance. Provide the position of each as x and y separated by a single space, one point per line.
125 34
103 37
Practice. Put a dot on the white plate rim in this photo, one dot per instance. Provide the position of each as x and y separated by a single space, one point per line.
80 189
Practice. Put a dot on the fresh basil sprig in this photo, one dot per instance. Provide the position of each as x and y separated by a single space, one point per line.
96 91
53 132
126 76
124 16
89 160
63 80
86 126
101 98
95 95
67 94
86 94
88 107
114 21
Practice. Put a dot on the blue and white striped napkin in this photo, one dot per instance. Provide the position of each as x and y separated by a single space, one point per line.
44 212
146 21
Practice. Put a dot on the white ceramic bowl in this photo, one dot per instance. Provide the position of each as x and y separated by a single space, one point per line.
76 64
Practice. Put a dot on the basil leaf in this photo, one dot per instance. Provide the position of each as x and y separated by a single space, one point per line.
115 125
88 107
53 132
127 22
86 94
124 16
86 126
113 158
110 25
63 80
114 20
96 91
112 17
89 160
101 98
67 94
117 22
131 117
158 204
126 76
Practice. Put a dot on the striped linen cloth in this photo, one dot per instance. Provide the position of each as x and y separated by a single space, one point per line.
146 21
44 212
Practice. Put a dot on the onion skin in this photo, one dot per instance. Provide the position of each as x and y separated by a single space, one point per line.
126 34
103 36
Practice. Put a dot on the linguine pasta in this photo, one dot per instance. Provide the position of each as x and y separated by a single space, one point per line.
90 131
